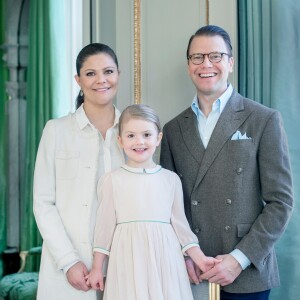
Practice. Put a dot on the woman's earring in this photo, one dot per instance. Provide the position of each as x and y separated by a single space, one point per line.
81 93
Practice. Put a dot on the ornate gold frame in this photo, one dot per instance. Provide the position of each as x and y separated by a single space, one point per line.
207 12
137 50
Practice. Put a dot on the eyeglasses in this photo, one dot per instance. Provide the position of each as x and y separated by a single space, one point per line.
214 57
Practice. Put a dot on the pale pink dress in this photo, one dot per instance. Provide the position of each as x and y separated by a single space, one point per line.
141 225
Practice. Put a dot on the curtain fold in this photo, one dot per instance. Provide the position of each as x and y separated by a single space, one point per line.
39 110
47 97
269 44
3 118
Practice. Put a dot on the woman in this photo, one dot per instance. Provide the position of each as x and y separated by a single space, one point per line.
73 153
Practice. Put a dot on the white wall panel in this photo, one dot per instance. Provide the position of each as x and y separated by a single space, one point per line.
166 26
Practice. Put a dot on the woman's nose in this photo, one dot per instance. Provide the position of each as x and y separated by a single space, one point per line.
101 78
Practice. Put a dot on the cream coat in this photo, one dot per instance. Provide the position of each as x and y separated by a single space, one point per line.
65 202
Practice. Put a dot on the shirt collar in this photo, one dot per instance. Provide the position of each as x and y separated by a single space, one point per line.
221 101
154 170
83 120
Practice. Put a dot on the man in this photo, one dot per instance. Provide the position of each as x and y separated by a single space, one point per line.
232 157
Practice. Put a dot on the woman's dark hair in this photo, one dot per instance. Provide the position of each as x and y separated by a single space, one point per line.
85 53
211 30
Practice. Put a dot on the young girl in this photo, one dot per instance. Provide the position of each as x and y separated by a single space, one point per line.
141 222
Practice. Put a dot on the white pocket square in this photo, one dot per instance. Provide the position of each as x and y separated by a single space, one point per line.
238 136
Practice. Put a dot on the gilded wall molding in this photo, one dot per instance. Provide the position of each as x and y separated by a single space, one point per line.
137 51
207 12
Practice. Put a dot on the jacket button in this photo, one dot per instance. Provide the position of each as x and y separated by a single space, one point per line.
228 201
194 202
227 228
197 230
239 170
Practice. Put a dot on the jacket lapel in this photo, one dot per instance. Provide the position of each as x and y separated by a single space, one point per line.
190 134
233 115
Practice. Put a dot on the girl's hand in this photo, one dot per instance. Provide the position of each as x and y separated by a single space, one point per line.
207 263
203 262
193 271
95 279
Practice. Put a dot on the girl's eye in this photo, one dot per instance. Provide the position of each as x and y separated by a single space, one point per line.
147 134
90 74
130 136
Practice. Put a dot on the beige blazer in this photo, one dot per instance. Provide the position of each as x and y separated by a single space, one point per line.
65 204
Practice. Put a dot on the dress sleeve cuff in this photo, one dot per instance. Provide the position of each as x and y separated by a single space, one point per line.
188 246
101 250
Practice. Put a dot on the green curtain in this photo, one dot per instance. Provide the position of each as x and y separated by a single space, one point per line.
269 60
3 98
46 98
39 110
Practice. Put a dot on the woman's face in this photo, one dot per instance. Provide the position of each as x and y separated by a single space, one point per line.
98 79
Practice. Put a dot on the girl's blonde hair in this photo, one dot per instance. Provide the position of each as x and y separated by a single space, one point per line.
139 111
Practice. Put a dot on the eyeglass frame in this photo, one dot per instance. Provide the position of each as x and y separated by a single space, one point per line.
207 54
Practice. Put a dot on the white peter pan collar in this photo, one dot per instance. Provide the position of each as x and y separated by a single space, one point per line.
154 170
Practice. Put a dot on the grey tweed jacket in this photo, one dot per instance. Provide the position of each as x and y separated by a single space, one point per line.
237 193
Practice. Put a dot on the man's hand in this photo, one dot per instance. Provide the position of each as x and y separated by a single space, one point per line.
76 276
225 272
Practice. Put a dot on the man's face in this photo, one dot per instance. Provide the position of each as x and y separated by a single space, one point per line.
210 78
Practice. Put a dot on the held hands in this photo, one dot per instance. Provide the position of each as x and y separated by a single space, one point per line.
198 263
95 279
76 276
225 272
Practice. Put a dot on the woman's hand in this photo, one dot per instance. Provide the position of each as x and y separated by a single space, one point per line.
76 276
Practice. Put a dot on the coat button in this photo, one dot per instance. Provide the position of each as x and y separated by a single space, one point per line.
194 202
228 201
227 228
239 170
197 230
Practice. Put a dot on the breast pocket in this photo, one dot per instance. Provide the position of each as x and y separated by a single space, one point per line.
67 164
240 151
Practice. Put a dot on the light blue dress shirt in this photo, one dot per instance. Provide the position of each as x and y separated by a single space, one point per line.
206 126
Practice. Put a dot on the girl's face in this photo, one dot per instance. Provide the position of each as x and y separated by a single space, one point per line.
139 139
98 79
